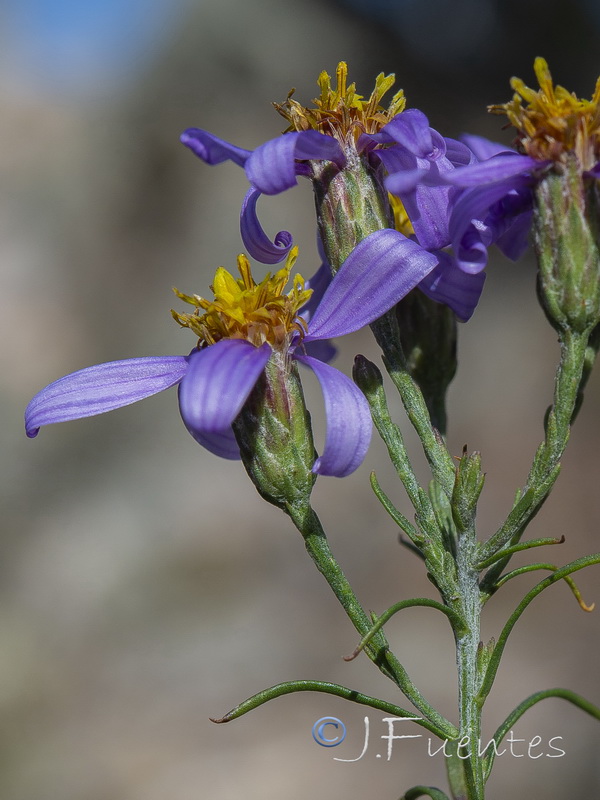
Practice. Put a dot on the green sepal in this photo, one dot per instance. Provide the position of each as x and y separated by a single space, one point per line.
274 434
565 234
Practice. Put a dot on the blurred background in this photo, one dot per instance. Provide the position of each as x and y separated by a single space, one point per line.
145 586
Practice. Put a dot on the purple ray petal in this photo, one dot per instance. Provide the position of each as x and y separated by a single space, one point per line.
212 149
256 241
499 168
220 443
272 167
318 283
594 172
484 148
411 130
376 275
101 388
348 421
458 153
216 386
322 349
449 284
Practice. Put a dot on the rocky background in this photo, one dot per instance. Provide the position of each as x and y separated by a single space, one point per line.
145 587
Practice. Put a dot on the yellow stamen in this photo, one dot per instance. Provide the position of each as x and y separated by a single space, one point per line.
244 309
553 121
341 112
402 222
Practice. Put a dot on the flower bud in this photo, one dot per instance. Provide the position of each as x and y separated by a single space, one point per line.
566 238
467 488
274 434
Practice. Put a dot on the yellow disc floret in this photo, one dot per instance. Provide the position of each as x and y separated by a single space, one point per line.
402 221
341 112
244 309
552 122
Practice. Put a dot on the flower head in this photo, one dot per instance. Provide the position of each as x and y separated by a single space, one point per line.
373 168
553 122
246 326
549 185
244 309
342 112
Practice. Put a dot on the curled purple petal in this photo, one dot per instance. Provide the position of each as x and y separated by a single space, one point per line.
256 241
272 167
469 231
515 239
348 421
102 388
215 387
378 273
449 284
411 130
211 149
460 154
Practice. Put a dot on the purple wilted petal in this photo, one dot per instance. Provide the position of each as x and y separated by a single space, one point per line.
102 388
595 171
468 223
499 168
378 273
212 149
348 421
449 284
272 167
425 195
216 386
411 130
515 240
256 241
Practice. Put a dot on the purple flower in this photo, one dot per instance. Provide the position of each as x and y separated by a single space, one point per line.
494 206
418 163
239 338
554 127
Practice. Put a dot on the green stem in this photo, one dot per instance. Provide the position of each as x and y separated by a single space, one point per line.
440 461
290 687
467 651
553 568
494 663
546 463
509 551
309 525
458 623
514 716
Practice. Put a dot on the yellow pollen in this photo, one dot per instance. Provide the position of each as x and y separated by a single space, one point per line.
402 221
553 122
341 112
244 309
